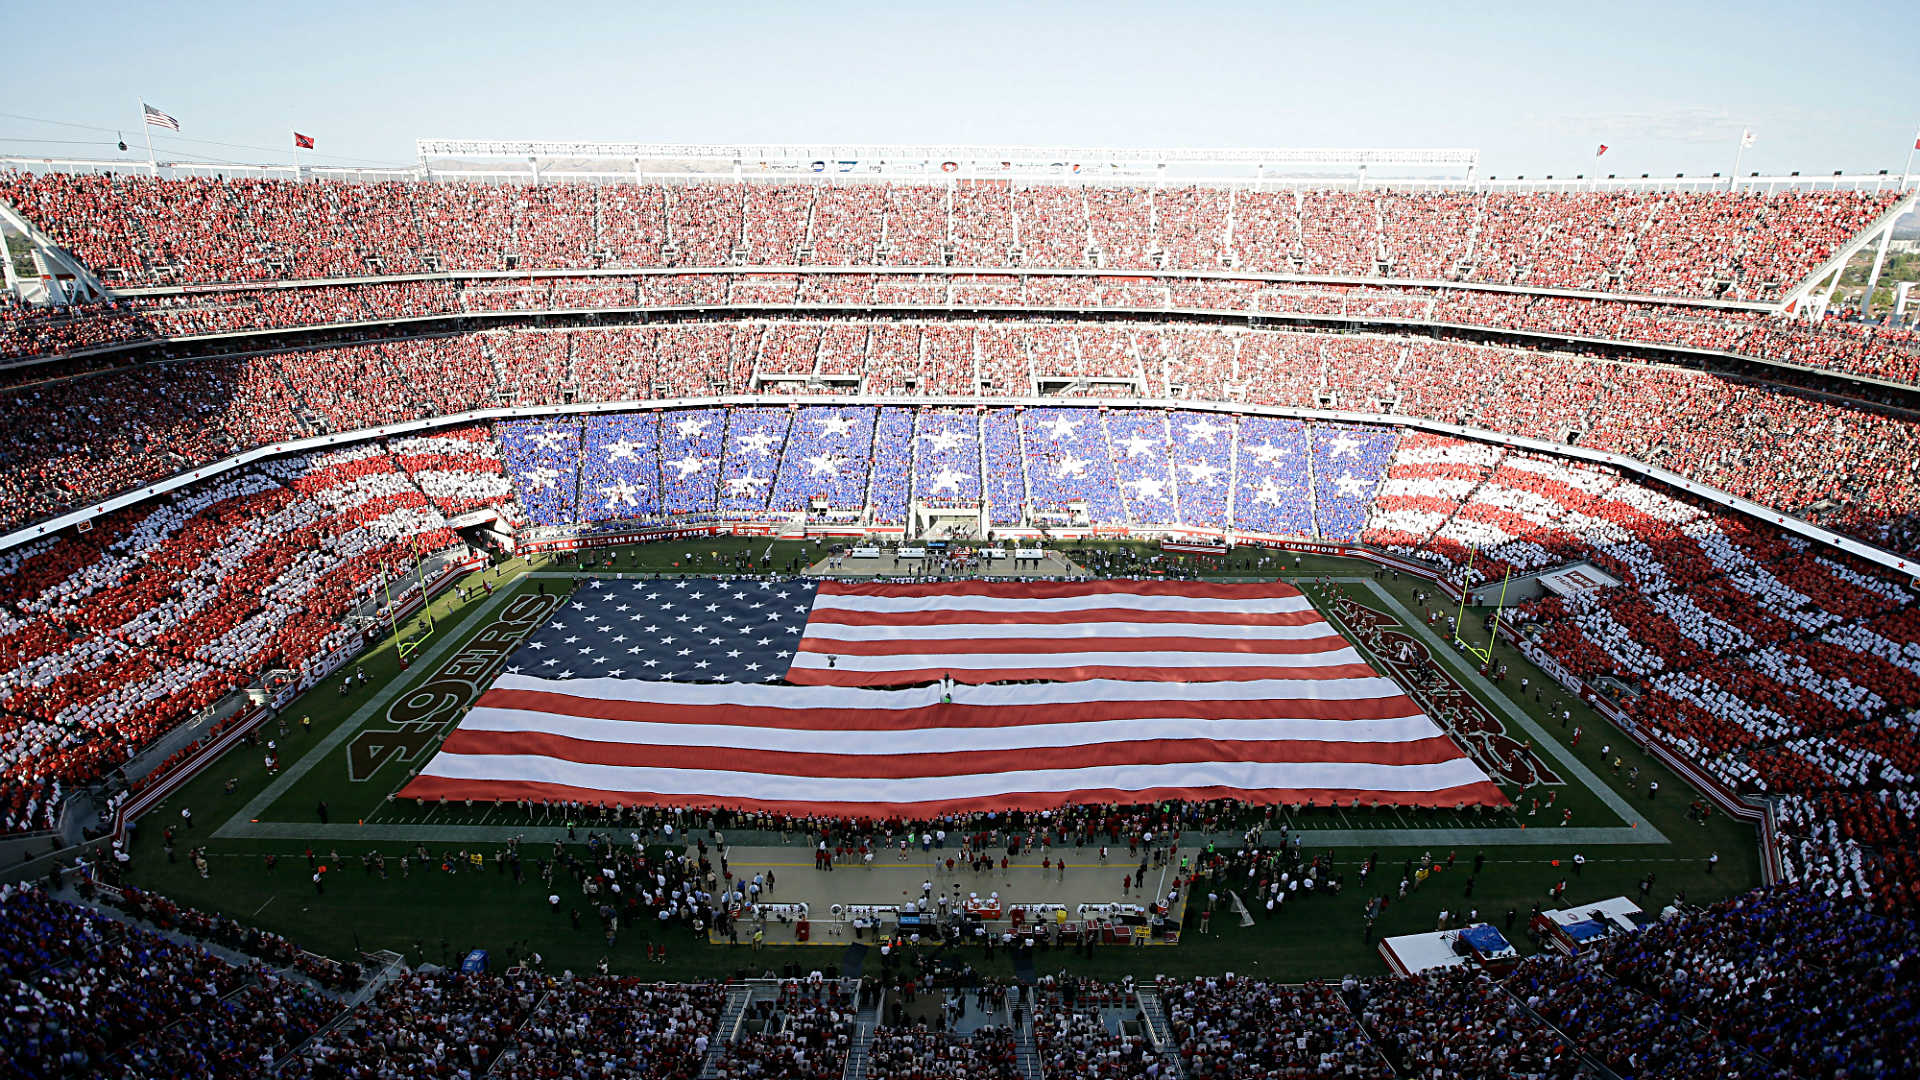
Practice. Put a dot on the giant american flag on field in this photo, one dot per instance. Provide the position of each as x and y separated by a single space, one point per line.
923 699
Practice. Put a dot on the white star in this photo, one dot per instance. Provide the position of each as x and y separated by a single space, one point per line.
733 654
1069 466
684 652
1267 452
1137 444
1345 446
1061 427
1350 485
1203 431
568 674
1202 471
624 450
536 644
513 669
617 672
543 478
689 465
835 425
570 641
620 492
550 661
550 440
701 663
1269 492
748 484
1148 487
760 442
692 427
947 478
944 441
653 663
753 667
770 676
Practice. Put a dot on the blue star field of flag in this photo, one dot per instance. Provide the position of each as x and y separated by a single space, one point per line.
680 630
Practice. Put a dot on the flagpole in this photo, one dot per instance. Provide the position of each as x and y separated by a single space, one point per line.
147 130
1739 151
1906 174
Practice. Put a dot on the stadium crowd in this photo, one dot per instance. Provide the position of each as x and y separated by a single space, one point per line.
143 230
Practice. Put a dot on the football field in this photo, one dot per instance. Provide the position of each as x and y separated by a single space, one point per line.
332 801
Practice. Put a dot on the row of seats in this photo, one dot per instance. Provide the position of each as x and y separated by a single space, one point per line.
88 995
1834 344
144 230
69 443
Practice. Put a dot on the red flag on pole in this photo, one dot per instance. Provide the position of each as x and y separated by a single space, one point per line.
304 142
1602 150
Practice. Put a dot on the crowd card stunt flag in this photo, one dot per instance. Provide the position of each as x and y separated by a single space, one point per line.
682 693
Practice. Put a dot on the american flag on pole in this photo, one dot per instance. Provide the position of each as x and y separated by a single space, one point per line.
157 118
664 693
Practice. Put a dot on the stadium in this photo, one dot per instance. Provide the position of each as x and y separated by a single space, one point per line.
920 611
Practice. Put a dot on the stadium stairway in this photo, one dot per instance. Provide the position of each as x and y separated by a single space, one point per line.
725 1028
1025 1054
1158 1030
865 1022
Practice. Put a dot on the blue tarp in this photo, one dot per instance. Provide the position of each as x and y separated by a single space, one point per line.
1486 940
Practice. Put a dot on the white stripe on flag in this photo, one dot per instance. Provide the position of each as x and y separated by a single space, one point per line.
742 695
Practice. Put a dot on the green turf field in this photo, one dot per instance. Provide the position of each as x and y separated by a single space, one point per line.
365 740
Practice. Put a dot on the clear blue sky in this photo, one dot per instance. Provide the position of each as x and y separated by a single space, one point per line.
1667 86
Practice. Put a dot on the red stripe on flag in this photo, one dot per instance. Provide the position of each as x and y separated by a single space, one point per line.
430 788
1429 751
1055 590
908 717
